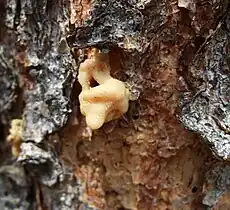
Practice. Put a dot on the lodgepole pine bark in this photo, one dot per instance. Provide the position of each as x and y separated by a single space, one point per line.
169 151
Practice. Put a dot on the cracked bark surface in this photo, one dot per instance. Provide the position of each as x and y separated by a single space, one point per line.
207 111
169 151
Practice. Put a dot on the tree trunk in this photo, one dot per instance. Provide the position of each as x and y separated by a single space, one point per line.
169 151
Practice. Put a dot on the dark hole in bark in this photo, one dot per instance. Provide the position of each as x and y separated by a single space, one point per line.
135 116
194 189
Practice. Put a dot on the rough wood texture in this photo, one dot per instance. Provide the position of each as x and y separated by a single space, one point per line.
174 55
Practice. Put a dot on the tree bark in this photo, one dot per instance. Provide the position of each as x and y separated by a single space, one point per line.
169 151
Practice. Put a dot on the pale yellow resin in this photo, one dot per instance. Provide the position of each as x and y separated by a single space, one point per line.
105 102
15 135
